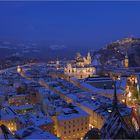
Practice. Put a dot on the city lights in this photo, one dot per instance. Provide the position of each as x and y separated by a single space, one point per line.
59 81
109 111
18 69
129 94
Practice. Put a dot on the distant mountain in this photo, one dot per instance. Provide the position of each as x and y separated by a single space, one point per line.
51 50
118 50
43 50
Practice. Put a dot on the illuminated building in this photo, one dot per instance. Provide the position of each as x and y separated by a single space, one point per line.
79 72
5 134
9 119
72 123
23 109
18 100
82 67
126 61
83 61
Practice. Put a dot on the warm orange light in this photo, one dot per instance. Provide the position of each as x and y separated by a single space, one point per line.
18 69
129 94
123 100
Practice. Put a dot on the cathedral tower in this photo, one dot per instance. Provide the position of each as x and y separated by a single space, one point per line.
89 58
126 61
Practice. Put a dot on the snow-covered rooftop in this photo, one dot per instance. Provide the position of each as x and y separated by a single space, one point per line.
69 113
6 113
32 132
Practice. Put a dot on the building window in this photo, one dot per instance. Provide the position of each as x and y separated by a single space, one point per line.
64 132
78 129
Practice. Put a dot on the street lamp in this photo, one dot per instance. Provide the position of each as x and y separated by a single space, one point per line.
115 91
18 69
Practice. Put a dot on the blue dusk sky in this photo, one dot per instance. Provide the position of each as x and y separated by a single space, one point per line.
83 24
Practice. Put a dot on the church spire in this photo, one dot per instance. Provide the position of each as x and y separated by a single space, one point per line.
89 58
126 60
116 127
115 106
126 55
